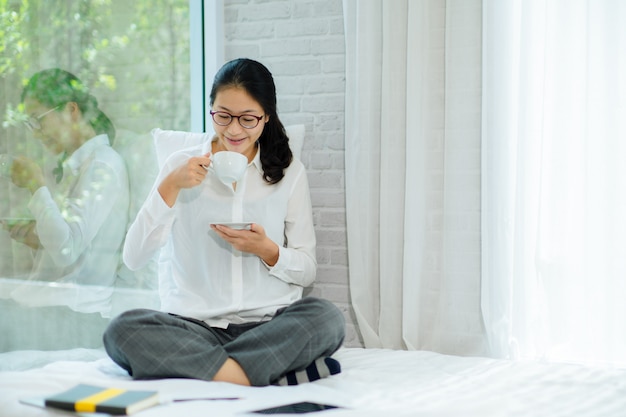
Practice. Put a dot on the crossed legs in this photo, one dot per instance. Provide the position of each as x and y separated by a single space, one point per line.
150 344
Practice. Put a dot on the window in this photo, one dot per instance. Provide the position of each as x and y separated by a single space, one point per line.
141 64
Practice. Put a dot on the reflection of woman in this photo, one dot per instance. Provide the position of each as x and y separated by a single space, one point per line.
235 295
80 210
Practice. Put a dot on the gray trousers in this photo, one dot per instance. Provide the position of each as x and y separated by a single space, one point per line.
151 344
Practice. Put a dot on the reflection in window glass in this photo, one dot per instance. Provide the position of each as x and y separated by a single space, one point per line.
82 84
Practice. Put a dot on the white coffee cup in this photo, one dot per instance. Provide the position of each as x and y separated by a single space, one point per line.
6 163
229 166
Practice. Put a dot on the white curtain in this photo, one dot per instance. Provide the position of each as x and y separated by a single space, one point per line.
554 179
413 172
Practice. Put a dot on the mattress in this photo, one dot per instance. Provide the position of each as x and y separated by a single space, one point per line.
373 382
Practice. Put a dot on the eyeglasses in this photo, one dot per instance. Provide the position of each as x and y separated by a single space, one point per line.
34 123
247 121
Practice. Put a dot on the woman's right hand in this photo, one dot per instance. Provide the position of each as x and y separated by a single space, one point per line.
23 231
188 175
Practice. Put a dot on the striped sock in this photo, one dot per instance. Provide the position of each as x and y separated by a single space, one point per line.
320 368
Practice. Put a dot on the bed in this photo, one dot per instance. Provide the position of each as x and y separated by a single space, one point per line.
374 382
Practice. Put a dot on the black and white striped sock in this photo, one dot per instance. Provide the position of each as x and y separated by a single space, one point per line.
320 368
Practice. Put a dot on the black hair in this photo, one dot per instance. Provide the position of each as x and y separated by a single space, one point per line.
257 81
54 87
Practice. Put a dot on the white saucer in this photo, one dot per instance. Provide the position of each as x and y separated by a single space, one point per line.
236 225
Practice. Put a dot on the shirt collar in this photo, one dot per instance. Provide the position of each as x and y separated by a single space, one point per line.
81 154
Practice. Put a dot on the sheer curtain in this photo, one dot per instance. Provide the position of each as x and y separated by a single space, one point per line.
413 172
554 179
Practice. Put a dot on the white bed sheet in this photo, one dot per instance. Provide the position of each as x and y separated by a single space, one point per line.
374 382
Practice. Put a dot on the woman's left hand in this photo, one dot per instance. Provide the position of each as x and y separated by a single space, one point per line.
253 241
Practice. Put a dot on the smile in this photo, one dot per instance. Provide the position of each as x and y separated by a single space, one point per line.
235 140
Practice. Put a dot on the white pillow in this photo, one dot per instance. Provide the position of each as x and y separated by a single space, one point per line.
167 142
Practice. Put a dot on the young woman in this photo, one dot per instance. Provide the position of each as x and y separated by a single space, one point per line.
80 209
233 298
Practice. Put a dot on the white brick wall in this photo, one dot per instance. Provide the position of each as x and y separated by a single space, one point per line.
302 44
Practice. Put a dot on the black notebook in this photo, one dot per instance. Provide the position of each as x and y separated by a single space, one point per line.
92 399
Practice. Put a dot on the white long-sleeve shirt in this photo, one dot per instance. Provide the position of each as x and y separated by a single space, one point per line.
202 276
81 223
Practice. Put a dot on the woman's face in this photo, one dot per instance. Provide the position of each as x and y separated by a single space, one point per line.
234 137
54 126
